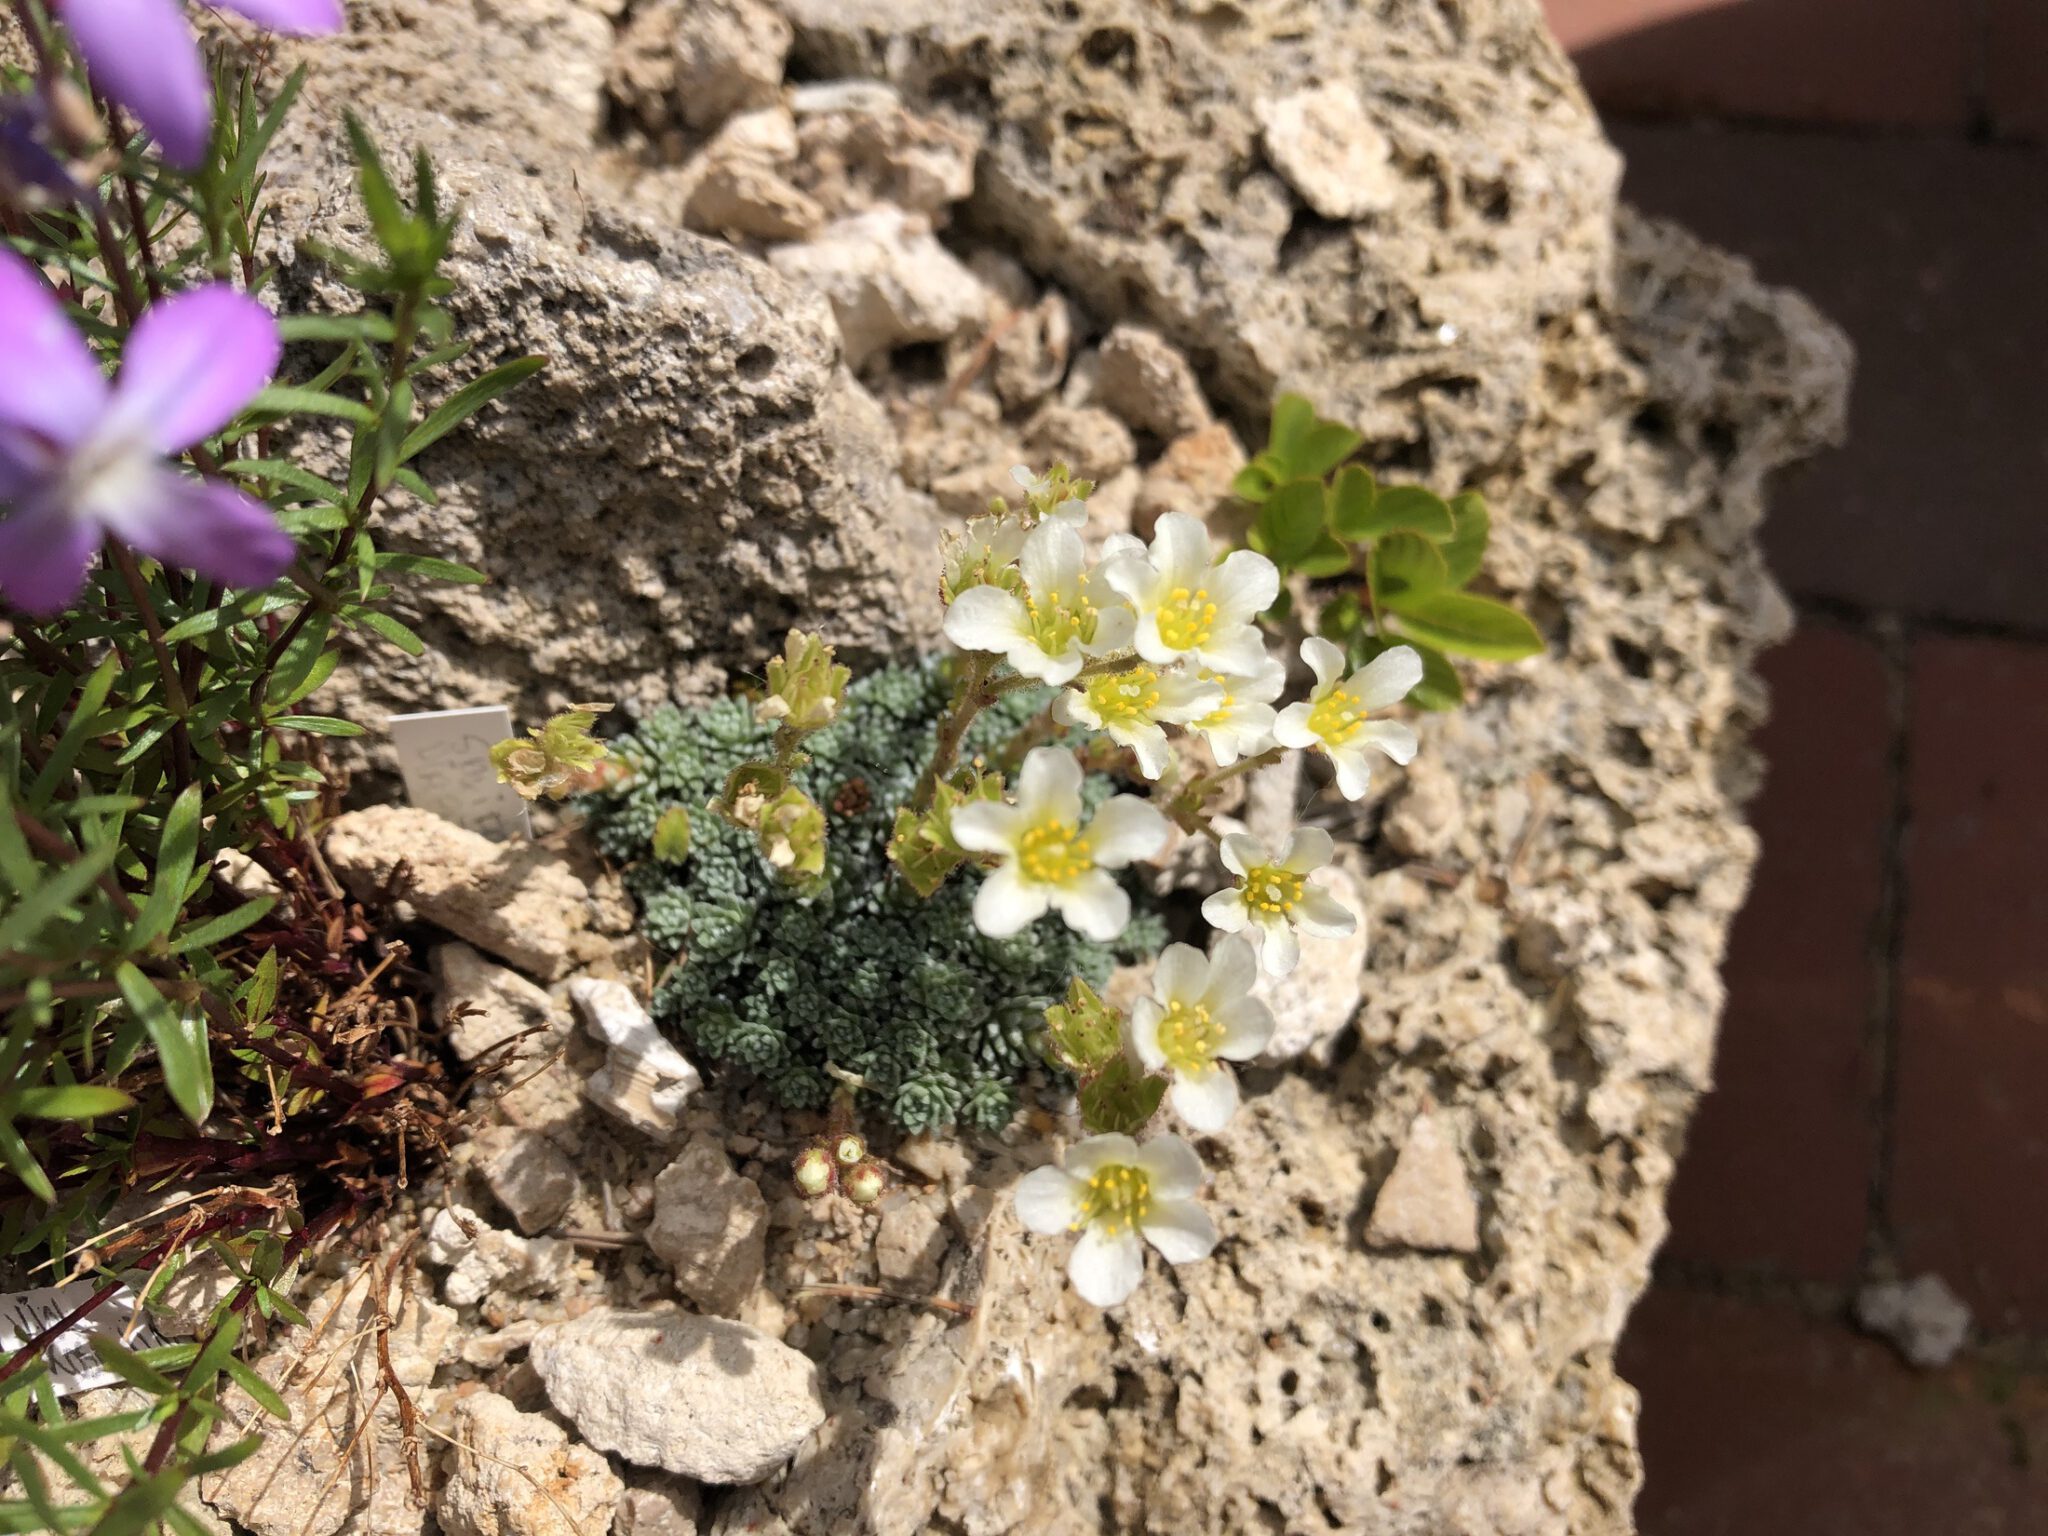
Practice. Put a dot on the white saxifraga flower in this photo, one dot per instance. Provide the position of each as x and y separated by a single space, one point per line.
1241 724
1274 900
1072 510
1335 717
981 554
1200 1015
1133 706
1120 1195
1189 604
1061 618
1049 859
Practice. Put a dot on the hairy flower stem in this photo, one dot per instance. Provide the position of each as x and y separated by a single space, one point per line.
1186 806
969 699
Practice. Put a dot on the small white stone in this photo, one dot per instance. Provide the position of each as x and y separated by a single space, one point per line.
710 1227
645 1081
1924 1319
1330 152
890 283
1427 1201
518 1474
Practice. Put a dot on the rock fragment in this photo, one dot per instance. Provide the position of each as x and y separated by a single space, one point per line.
696 62
1330 152
664 1506
528 1175
1148 381
644 1081
482 1260
701 1396
517 901
890 283
1427 1202
1193 475
486 1006
710 1227
519 1474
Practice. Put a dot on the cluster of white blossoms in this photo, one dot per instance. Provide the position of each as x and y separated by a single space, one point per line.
1143 639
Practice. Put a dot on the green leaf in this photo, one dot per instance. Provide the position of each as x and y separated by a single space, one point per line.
1330 557
52 895
1341 619
1291 522
1467 625
131 1367
1351 504
264 1394
467 401
280 400
317 725
1120 1098
177 851
1408 509
1406 563
1328 444
366 326
1293 419
429 567
180 1041
81 728
1257 480
1465 549
392 630
223 925
1441 688
73 1101
1303 443
22 1164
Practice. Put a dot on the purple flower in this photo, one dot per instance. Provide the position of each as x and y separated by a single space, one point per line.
142 54
82 459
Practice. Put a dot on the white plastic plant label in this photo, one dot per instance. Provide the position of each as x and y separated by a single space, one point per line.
73 1365
445 756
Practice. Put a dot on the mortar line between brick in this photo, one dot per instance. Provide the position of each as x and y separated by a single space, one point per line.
1847 613
1894 638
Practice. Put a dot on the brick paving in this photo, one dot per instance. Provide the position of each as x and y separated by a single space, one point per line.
1882 1099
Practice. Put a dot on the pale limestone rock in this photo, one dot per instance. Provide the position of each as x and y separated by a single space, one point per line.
665 1506
519 1474
1423 816
516 900
889 282
1193 476
701 1396
1427 1202
645 1081
861 149
710 1227
1330 152
696 62
527 1174
487 1008
911 1242
1147 381
484 1261
1088 440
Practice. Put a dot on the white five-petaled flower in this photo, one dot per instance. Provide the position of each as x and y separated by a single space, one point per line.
1241 724
1201 1014
1119 1195
1336 715
1189 604
1135 705
1061 618
1274 900
1049 858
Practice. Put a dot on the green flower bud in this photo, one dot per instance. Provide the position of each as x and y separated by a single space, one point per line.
850 1149
865 1182
814 1172
792 832
805 688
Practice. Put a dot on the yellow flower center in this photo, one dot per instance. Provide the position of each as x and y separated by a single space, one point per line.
1337 716
1187 619
1119 1198
1125 698
1220 715
1189 1036
1056 626
1054 853
1271 891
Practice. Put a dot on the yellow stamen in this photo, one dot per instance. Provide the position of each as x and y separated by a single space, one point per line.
1054 853
1337 716
1270 891
1189 1036
1118 1197
1187 619
1125 698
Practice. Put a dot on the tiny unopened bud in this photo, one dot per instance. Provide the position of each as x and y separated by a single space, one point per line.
805 687
865 1182
813 1171
850 1150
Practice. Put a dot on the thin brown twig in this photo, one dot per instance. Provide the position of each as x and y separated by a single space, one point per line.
876 1293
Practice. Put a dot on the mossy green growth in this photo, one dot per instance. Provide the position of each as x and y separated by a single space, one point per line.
852 969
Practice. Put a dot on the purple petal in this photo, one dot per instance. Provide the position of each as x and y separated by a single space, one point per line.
50 383
205 526
43 556
298 18
192 361
143 55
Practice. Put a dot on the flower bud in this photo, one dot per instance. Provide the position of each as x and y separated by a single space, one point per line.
814 1172
865 1182
805 688
792 832
850 1149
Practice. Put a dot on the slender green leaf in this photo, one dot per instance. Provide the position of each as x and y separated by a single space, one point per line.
81 728
280 400
180 1041
265 1395
73 1101
177 851
392 630
1468 625
317 725
23 1165
53 895
466 402
131 1367
222 926
432 569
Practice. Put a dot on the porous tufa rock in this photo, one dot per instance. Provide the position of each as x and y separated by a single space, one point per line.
701 1396
710 1227
645 1081
889 281
1330 152
1427 1202
1148 381
519 1474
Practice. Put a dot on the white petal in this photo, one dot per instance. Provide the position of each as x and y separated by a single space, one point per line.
1240 851
1172 1166
1309 848
1282 949
1180 550
986 827
1205 1100
1225 910
1354 773
1322 916
1245 584
1184 697
1148 745
1290 728
1007 903
1128 572
1105 1270
1126 828
1247 1029
1058 670
1049 788
1122 546
1092 1154
1145 1017
1396 738
1051 562
1094 905
987 619
1049 1200
1149 645
1388 678
1115 623
1021 473
1181 1230
1182 973
1324 659
1266 684
1233 970
1234 650
1073 708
